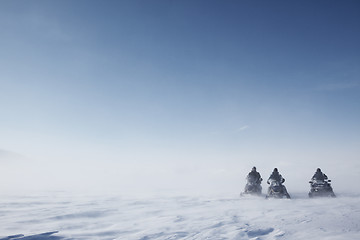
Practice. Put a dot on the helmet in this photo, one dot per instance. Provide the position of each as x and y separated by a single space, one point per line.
275 169
318 170
253 169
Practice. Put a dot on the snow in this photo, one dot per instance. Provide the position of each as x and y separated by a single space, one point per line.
53 216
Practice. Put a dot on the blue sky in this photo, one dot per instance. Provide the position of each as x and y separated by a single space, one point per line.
179 89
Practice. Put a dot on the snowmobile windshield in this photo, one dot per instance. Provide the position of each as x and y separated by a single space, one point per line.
318 181
274 182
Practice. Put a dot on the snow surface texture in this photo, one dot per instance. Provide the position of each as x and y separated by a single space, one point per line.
65 217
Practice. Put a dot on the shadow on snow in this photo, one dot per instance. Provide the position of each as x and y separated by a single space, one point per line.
42 236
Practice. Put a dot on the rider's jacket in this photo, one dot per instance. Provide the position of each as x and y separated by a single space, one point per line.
319 176
254 176
277 177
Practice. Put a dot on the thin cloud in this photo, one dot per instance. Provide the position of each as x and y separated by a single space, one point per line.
243 128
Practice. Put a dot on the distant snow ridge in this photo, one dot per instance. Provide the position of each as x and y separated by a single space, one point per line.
105 218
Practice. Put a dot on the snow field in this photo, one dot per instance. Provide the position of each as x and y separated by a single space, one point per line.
184 217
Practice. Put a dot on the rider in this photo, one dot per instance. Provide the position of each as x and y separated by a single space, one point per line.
254 176
319 176
276 176
322 178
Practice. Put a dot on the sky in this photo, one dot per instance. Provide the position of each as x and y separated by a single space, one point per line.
146 96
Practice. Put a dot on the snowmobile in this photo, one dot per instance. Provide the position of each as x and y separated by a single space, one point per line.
277 190
321 188
253 186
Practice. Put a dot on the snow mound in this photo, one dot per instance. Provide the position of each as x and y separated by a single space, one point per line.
42 236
